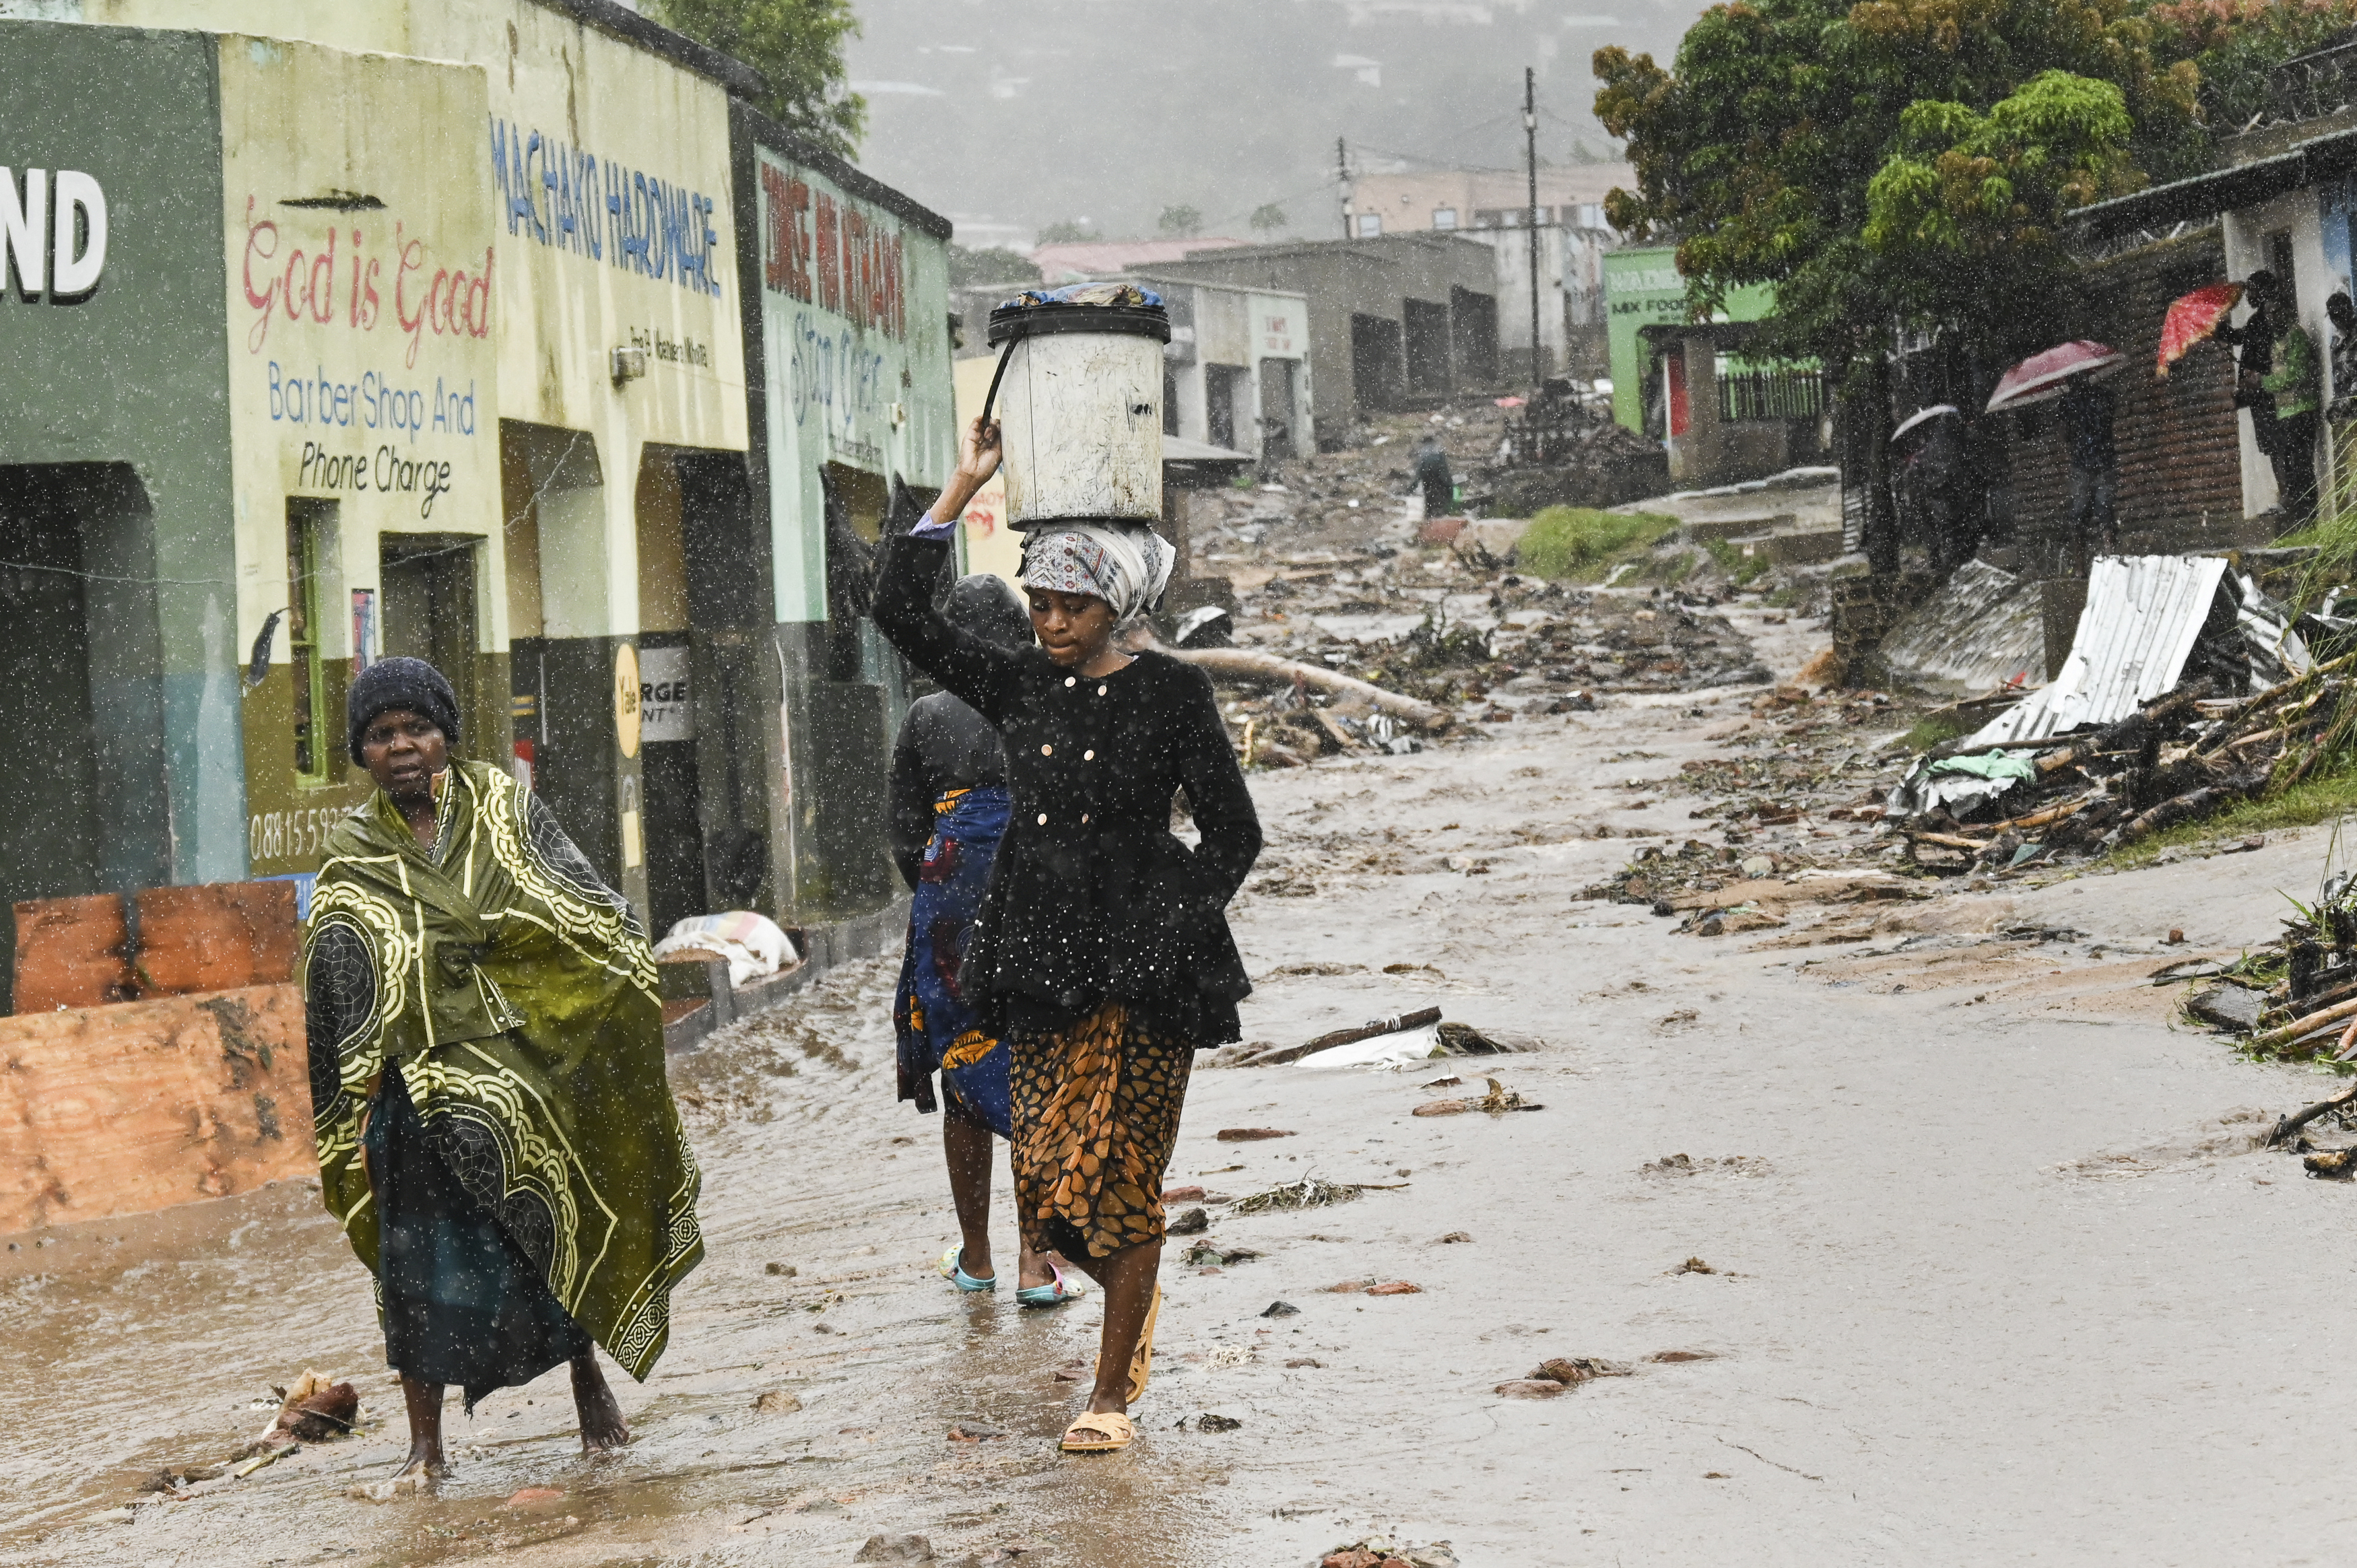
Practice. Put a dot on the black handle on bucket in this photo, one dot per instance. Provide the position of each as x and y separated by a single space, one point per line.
992 395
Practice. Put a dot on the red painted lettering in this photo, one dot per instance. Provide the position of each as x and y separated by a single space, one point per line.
323 293
265 300
413 325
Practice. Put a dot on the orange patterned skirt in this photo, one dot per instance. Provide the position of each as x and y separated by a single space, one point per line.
1096 1112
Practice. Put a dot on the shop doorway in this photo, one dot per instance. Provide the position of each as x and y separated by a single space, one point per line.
1278 379
427 610
1426 334
1220 385
86 779
1374 362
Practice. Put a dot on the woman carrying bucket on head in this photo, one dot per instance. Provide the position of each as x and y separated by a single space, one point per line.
949 810
1102 954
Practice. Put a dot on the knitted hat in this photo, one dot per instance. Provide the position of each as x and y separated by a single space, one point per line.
400 682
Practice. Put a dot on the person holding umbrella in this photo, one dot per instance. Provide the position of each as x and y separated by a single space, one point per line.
2074 373
2088 407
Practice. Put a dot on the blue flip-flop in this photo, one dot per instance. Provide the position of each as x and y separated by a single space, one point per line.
952 1268
1053 1294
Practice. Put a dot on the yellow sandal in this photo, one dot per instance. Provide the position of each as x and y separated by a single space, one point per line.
1141 1360
1109 1432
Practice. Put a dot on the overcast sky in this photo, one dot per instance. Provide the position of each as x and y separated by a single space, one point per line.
1011 114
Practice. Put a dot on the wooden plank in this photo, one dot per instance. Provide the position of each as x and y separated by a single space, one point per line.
131 1107
220 936
70 954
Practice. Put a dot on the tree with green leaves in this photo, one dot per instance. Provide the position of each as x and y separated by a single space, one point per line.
1758 155
1068 232
798 45
1268 218
1181 221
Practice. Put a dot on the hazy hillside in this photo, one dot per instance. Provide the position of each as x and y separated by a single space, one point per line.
1008 114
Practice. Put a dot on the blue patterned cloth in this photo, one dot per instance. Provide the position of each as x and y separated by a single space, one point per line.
940 1029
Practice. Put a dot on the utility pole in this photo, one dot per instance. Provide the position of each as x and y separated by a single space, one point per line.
1343 173
1530 161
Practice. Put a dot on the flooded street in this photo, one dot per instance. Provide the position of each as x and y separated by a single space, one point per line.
1994 1273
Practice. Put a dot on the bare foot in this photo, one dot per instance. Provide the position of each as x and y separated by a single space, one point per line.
424 1465
602 1427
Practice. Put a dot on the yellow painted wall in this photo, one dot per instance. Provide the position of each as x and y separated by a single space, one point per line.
990 544
363 310
561 310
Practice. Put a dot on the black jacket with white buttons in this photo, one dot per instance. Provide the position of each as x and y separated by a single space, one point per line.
1093 899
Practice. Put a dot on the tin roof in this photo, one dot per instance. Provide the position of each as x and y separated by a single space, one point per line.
2143 614
2318 161
1983 629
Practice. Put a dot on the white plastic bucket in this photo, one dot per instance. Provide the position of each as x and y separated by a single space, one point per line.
1079 412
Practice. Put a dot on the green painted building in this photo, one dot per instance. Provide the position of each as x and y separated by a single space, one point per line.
1642 287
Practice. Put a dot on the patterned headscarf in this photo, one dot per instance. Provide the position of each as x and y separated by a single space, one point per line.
1126 568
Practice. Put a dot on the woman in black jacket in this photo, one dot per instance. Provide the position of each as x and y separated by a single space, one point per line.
1102 954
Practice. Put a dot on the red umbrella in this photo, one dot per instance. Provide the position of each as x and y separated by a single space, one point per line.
2194 317
2047 373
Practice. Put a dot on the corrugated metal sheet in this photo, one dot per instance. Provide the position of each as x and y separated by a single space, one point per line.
1983 629
2143 614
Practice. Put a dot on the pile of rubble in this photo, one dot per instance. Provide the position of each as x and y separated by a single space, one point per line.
2140 732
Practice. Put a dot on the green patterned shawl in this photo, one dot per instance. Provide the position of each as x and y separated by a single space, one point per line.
519 997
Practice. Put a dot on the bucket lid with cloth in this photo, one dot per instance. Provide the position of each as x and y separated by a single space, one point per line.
1082 308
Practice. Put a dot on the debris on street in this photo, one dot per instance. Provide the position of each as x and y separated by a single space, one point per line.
314 1410
1310 1192
1498 1100
1382 1551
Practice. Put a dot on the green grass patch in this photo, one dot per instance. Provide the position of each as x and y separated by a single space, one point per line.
1732 561
1580 544
1934 730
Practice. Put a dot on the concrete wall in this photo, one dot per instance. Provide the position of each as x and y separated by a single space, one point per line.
600 169
1339 279
850 358
362 298
128 373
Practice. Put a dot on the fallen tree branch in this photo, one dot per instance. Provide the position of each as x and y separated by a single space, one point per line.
2287 1125
1947 840
1245 664
2292 1031
1368 1031
2178 808
2269 697
2048 816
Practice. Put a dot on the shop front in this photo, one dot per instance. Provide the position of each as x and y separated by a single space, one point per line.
852 402
117 562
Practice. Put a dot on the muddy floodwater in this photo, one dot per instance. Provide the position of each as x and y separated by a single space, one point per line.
1997 1271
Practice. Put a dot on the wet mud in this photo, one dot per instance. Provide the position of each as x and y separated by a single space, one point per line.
1993 1266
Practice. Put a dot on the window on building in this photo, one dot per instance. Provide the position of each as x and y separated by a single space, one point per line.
1370 225
1444 218
307 522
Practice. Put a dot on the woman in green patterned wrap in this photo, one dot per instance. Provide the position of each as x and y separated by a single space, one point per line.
494 1127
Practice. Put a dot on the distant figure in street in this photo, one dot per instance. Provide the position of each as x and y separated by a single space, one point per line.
1102 954
2342 313
495 1132
2088 407
2279 384
948 807
1932 481
2296 384
1433 476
